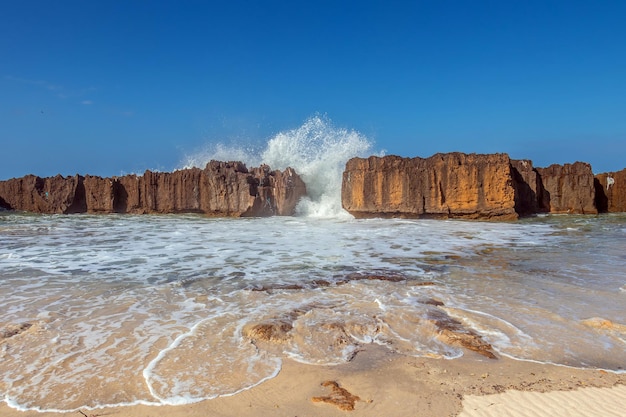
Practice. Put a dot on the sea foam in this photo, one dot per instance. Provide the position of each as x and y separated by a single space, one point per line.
152 309
318 151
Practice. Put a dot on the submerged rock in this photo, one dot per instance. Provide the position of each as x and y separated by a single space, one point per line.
14 329
345 337
604 324
274 331
453 333
388 276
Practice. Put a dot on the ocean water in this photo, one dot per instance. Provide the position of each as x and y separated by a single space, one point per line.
121 309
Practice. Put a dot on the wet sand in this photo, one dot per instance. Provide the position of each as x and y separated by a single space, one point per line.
380 383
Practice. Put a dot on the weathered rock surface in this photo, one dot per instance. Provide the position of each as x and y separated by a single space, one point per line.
453 185
14 329
457 185
453 333
221 189
567 188
528 187
274 333
39 195
611 191
339 397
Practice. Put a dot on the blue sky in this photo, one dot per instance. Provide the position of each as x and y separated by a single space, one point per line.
114 87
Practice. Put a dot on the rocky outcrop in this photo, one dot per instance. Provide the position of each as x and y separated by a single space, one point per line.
611 192
40 195
221 189
457 185
567 188
528 187
453 185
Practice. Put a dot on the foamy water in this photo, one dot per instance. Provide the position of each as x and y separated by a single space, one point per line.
109 310
317 149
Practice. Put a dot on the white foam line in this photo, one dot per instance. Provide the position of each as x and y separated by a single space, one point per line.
613 371
520 332
453 310
176 400
14 405
299 358
147 372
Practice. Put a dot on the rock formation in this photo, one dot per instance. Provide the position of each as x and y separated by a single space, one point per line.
528 187
221 189
453 333
567 188
452 185
14 329
611 192
339 397
39 195
457 185
274 333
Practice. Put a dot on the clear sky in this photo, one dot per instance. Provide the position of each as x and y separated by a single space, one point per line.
112 87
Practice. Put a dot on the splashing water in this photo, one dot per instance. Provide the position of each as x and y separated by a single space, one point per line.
222 152
119 310
317 150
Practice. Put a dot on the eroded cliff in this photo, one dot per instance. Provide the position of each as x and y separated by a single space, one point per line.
610 190
565 188
220 189
457 185
453 185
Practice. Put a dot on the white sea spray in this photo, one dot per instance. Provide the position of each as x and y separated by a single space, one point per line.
154 309
318 151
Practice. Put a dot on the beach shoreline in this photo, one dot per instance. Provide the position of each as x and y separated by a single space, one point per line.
380 382
178 309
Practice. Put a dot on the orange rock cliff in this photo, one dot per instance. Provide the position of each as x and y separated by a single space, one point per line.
451 185
474 186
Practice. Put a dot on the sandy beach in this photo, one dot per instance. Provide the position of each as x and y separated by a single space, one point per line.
380 383
100 322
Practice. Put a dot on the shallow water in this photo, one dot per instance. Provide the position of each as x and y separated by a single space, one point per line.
163 309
